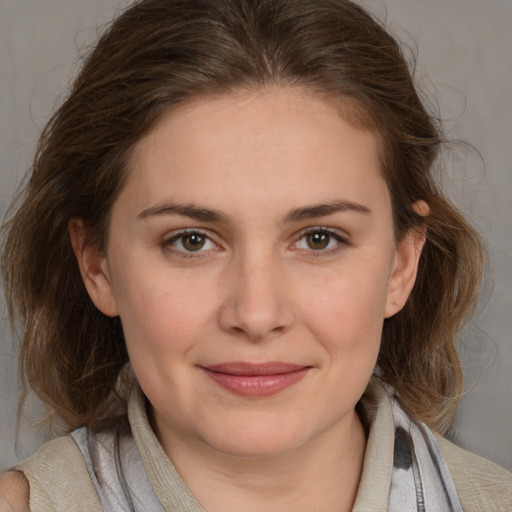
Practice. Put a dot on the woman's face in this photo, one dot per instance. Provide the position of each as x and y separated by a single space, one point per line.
252 262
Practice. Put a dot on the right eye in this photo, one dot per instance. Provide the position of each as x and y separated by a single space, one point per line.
190 242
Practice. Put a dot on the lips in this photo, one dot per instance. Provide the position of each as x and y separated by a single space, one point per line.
256 380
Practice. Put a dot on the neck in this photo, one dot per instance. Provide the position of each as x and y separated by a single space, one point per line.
323 475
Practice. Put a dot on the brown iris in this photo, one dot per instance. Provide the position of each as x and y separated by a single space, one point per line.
193 241
318 240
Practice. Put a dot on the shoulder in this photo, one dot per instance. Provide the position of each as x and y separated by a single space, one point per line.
14 492
58 478
481 484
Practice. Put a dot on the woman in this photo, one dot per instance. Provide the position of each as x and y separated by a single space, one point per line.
231 230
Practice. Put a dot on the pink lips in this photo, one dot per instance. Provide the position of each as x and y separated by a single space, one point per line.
256 380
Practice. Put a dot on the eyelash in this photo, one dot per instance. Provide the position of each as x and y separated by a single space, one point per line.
183 253
342 241
168 243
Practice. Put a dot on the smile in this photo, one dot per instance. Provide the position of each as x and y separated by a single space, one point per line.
256 380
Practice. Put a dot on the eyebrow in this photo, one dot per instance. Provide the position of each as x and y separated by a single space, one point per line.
321 210
209 215
186 210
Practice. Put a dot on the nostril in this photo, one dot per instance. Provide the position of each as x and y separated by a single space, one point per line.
255 324
257 303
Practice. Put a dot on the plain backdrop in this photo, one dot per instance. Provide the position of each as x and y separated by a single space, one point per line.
464 64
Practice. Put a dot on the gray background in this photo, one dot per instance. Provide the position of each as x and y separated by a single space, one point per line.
464 62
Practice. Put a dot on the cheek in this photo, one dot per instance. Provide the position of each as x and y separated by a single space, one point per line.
346 316
162 321
353 301
160 314
162 332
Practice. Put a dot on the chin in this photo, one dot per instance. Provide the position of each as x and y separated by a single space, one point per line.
257 448
256 441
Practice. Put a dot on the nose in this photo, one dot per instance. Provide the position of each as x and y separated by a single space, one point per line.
257 305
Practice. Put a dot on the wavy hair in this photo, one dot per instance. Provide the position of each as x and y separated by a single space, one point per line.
160 53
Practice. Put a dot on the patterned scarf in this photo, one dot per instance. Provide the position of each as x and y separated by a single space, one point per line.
420 481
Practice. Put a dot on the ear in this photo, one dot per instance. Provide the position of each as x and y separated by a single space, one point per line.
94 269
406 264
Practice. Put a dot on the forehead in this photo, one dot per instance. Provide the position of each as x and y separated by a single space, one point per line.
244 146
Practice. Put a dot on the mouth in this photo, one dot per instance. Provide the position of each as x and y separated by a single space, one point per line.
256 380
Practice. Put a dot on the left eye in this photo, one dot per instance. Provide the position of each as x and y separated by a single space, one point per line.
191 242
318 240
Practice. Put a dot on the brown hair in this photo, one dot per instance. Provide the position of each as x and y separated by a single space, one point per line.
160 53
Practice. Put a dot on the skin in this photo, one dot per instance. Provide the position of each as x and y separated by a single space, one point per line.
14 492
257 290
